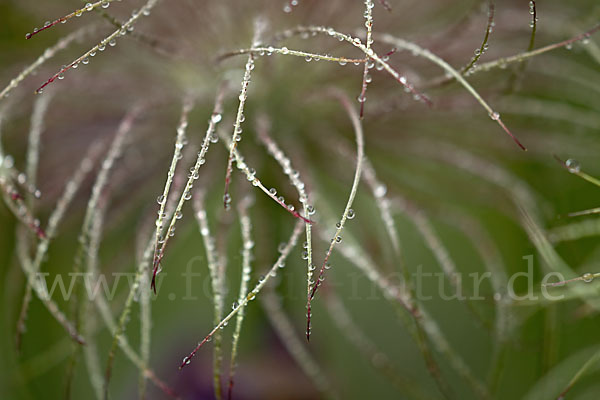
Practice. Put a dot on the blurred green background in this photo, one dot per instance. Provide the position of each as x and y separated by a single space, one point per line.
551 104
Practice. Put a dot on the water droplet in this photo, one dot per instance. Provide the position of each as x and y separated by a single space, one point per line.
380 190
194 174
186 360
216 118
351 214
495 116
338 239
105 4
586 39
305 255
587 277
89 7
573 166
160 199
308 58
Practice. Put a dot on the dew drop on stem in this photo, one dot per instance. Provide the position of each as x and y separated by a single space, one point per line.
573 166
587 277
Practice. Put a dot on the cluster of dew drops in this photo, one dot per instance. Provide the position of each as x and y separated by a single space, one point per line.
289 6
532 12
7 162
100 46
78 13
338 239
480 51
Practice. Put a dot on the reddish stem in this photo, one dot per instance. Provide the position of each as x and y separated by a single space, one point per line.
308 314
157 259
419 96
36 30
513 137
55 76
577 38
39 231
188 359
230 390
293 212
392 51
